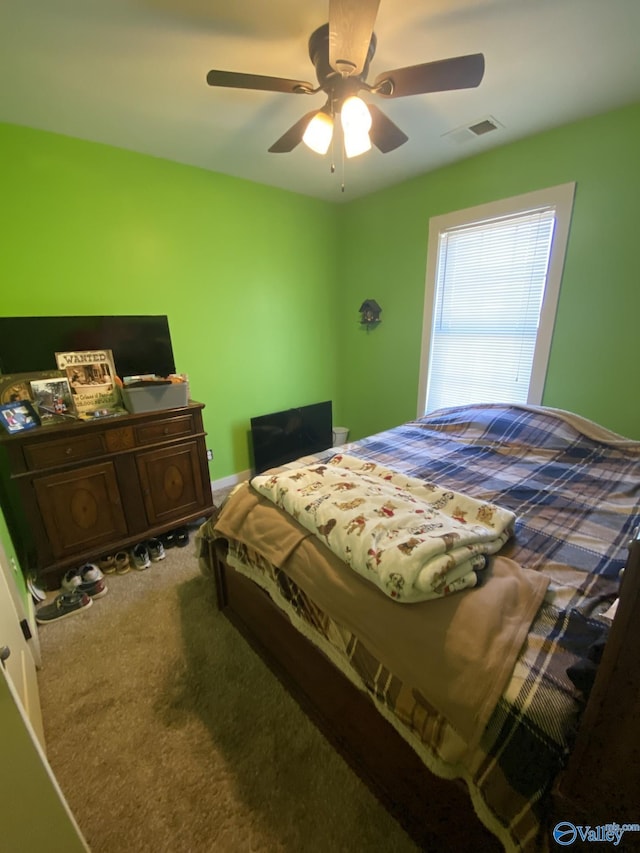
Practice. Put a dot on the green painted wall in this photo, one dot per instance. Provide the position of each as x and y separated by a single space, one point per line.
593 363
263 316
241 270
14 563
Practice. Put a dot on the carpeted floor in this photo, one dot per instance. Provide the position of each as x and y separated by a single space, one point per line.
167 733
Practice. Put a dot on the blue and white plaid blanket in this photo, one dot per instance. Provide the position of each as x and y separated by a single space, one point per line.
574 488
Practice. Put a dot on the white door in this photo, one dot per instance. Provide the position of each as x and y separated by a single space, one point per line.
34 815
19 665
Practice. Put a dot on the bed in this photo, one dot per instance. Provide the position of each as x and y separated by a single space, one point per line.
460 766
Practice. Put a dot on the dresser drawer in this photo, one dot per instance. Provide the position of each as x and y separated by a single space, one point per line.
47 454
164 429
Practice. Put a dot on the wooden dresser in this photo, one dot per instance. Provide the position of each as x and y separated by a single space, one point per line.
73 492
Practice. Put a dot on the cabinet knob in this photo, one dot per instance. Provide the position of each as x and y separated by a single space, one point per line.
166 430
5 651
69 451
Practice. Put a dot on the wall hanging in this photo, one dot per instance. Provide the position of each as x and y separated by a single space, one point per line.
370 314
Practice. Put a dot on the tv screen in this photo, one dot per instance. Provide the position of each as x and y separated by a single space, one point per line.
140 344
284 436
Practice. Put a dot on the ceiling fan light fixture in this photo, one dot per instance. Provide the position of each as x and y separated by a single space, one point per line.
355 115
356 124
356 144
341 51
319 132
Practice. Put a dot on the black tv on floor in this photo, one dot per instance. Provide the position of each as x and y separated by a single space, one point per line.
281 437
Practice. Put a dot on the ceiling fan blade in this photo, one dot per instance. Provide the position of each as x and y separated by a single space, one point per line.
350 31
384 134
459 72
234 80
293 136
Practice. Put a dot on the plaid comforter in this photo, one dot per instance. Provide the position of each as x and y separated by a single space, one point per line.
575 490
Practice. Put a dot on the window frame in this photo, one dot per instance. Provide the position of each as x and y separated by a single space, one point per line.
561 198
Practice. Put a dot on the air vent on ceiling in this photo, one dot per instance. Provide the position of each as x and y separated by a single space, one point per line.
484 126
478 128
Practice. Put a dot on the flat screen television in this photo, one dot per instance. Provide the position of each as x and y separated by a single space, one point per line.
284 436
140 344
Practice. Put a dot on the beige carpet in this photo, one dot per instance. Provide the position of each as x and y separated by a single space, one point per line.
167 732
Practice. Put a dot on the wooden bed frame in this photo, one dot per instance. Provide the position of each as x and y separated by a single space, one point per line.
599 785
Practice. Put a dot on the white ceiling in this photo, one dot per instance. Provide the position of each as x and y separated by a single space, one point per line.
131 73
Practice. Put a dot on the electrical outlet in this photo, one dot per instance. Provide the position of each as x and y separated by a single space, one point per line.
209 455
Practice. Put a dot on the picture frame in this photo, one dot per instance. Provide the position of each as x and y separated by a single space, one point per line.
17 386
52 399
18 416
92 380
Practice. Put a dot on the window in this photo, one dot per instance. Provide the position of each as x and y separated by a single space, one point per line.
493 279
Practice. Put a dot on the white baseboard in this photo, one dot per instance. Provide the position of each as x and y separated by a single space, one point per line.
231 480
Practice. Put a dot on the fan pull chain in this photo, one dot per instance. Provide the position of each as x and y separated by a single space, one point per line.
332 167
333 137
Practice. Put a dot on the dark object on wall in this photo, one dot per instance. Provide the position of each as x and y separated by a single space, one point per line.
370 311
140 344
281 437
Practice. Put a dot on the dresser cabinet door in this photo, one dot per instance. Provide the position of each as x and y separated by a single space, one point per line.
81 509
171 482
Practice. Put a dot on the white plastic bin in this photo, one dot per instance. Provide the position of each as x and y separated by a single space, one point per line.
340 435
153 398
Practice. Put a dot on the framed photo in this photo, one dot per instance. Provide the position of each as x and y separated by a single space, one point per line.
52 399
91 375
18 416
17 386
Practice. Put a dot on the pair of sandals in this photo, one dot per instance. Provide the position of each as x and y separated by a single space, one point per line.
115 563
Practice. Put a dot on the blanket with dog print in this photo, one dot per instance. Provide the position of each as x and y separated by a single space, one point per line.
413 539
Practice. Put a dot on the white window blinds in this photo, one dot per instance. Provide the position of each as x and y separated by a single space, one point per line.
489 287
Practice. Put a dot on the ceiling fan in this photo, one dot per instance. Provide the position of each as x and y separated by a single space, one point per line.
341 52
